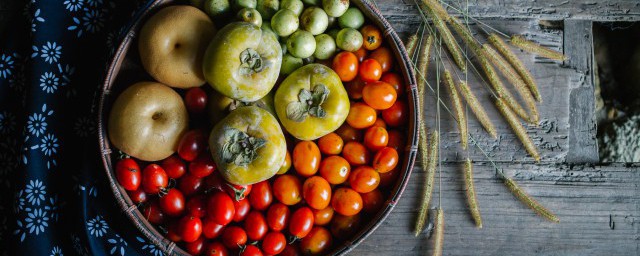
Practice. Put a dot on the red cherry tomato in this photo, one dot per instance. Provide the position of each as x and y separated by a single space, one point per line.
372 201
397 114
345 64
395 81
384 56
196 206
202 166
192 144
195 100
356 154
287 189
364 179
361 54
301 222
348 133
278 216
354 88
376 138
174 167
211 229
214 181
128 174
316 192
173 231
379 95
255 225
370 70
379 123
153 213
237 192
234 237
317 241
190 228
220 208
154 179
261 196
137 196
274 243
216 249
172 203
242 209
196 247
190 185
385 160
251 250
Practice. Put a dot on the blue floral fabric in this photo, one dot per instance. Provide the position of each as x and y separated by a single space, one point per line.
56 199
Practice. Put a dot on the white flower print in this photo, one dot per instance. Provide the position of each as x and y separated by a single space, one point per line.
153 249
92 21
20 201
49 145
51 52
33 19
73 5
37 221
118 245
97 226
6 65
25 149
49 82
21 231
56 251
95 3
37 124
53 207
7 122
65 73
35 191
84 126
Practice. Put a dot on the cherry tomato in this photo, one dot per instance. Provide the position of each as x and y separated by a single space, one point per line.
234 237
251 250
215 181
196 206
190 228
335 169
395 81
343 227
196 247
361 54
379 95
211 229
301 222
348 133
372 37
190 185
316 242
385 160
242 209
216 249
290 250
153 213
278 216
346 201
372 201
173 231
356 154
202 166
255 225
361 116
192 144
389 178
262 195
287 189
376 138
354 88
195 99
237 192
345 64
370 70
397 114
322 217
379 123
330 144
174 167
286 165
128 174
316 191
274 243
172 203
396 140
364 179
306 158
137 196
154 179
220 208
384 56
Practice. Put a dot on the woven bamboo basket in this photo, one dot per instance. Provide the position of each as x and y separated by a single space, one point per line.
125 69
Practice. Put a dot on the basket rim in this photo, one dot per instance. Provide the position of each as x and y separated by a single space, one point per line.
151 233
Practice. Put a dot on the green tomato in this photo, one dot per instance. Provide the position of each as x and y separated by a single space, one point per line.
312 2
335 8
333 33
314 20
219 106
295 6
242 62
241 4
216 8
352 18
349 39
248 146
267 8
250 15
301 44
284 22
312 102
325 47
290 64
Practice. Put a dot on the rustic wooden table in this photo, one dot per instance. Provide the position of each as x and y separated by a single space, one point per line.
598 205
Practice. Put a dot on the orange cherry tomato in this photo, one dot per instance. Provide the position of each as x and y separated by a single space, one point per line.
379 123
396 115
384 57
361 54
354 88
287 189
364 179
370 70
389 178
379 95
385 160
335 169
348 133
343 227
286 165
395 81
361 116
346 201
316 191
376 137
345 64
372 37
372 201
317 242
330 144
355 153
396 140
306 158
322 217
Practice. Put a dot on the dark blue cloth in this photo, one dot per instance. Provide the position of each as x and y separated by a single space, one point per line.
56 199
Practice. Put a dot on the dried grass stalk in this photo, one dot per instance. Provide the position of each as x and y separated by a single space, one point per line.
499 88
465 34
477 109
438 233
425 57
502 47
524 44
435 6
446 35
528 200
411 44
458 111
423 146
518 129
430 173
471 193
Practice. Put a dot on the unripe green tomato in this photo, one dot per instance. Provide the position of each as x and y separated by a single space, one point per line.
301 44
295 6
216 8
335 8
325 47
284 22
241 4
290 64
314 20
251 16
333 33
349 39
312 2
267 8
352 18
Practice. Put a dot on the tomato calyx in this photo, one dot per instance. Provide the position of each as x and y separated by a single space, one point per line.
292 239
250 62
238 191
309 103
240 148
